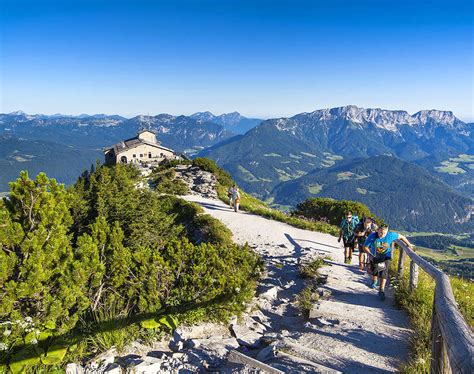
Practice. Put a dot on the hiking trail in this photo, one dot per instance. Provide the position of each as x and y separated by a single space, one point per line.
355 331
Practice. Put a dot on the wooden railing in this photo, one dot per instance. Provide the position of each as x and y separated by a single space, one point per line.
451 338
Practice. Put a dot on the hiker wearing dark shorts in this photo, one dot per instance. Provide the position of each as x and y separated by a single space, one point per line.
363 229
346 233
379 247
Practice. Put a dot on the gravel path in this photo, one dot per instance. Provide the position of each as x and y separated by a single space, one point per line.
355 331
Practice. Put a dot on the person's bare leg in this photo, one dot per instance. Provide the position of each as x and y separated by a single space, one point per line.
382 283
361 260
346 254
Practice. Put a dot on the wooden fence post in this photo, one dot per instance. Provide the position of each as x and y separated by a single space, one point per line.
413 275
401 263
439 357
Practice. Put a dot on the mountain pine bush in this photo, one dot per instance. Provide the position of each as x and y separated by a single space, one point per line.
330 210
106 252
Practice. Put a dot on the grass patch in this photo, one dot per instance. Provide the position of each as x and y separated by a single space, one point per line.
296 157
450 167
311 269
283 175
306 298
247 175
463 158
314 189
165 181
344 176
419 304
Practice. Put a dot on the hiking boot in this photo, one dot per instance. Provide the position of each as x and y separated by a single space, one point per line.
382 295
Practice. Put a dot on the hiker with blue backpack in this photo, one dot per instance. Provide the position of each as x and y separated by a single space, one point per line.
347 235
379 247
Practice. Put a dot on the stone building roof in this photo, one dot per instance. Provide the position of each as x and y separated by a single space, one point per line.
132 143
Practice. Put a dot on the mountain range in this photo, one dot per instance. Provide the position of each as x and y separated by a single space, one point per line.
282 149
233 122
285 160
31 141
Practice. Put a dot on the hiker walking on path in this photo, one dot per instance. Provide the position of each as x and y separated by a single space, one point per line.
379 247
230 193
347 234
363 229
235 198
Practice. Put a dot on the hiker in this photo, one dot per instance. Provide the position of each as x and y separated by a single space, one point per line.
346 232
235 198
230 193
363 229
379 246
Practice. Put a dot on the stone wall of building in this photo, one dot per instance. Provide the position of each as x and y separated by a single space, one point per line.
144 153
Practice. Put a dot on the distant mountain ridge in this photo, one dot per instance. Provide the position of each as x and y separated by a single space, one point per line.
281 149
62 162
98 131
234 121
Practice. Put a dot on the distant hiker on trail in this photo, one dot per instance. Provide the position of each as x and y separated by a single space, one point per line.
235 198
379 247
348 225
363 229
230 193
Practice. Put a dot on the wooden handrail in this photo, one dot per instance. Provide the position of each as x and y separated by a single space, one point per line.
452 338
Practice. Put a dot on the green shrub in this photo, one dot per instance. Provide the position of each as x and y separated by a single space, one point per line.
109 254
329 210
311 269
38 269
306 299
165 182
169 164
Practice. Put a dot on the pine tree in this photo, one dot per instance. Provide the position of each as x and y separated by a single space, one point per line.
37 276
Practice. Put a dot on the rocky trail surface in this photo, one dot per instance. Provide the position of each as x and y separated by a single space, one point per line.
349 330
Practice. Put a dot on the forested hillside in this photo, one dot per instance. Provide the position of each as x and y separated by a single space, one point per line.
406 195
65 162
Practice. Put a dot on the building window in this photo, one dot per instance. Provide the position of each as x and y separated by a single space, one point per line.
141 154
149 155
134 156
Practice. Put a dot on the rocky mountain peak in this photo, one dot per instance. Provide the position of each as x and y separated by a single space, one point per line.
203 116
390 120
436 116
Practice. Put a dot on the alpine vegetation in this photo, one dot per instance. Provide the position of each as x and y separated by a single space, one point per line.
105 254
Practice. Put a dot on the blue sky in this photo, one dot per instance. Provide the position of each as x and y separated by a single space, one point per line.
261 58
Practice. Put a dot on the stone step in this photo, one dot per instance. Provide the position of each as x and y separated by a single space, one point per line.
298 353
336 310
240 358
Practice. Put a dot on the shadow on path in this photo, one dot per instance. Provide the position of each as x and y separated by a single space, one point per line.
323 244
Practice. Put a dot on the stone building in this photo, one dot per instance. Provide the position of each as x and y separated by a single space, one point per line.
143 149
